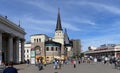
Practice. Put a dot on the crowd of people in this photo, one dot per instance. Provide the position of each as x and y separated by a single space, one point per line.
105 60
58 64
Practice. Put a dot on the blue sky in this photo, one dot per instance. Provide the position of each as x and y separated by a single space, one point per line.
94 22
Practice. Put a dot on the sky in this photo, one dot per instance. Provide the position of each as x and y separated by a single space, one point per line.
94 22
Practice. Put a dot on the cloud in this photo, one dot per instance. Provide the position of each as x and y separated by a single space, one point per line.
42 5
85 21
40 24
81 20
106 7
40 21
70 26
98 6
99 40
41 30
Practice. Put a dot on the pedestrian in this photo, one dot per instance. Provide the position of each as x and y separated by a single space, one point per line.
45 63
55 65
79 61
40 66
28 61
10 68
3 65
74 62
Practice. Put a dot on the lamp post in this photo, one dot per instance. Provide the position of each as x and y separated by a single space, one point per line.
35 56
45 54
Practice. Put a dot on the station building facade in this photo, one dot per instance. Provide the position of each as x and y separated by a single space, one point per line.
11 35
106 50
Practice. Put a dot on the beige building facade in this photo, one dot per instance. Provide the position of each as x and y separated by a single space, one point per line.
38 44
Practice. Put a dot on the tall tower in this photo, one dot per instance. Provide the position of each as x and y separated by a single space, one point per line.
59 35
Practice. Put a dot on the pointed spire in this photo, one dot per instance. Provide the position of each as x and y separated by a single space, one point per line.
58 25
66 40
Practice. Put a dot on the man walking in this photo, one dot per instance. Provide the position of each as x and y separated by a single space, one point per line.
10 68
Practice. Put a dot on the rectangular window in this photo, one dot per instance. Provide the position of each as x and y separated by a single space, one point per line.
27 56
47 48
52 48
56 48
27 51
34 40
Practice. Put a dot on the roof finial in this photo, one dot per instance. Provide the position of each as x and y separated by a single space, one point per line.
19 23
58 10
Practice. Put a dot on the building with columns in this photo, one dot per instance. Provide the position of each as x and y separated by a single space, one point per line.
10 37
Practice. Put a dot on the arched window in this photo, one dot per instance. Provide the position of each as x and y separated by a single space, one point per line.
39 40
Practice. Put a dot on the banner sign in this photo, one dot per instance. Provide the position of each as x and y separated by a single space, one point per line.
32 54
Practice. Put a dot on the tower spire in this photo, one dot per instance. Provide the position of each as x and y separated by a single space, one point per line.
58 25
66 39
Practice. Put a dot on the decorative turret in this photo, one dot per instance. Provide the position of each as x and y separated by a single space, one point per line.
58 25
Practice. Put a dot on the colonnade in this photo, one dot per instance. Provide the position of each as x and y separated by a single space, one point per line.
9 48
11 39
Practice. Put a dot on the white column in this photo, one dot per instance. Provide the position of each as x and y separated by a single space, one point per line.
115 54
0 48
17 50
22 51
10 47
16 57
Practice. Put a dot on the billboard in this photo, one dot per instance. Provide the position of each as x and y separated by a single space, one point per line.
32 54
32 60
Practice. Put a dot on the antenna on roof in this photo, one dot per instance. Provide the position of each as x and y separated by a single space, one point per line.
19 23
6 17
